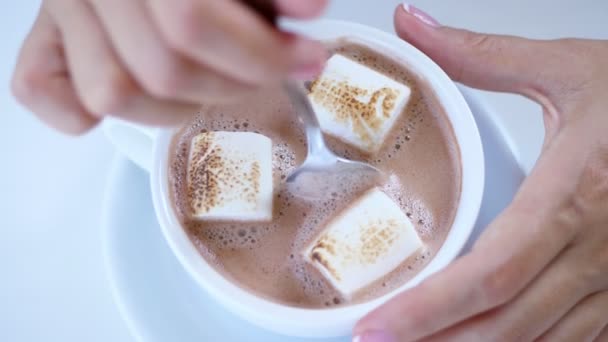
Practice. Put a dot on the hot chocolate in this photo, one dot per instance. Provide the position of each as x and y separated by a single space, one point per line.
420 154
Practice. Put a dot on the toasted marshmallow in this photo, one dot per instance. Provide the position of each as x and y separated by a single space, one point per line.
356 104
230 177
363 243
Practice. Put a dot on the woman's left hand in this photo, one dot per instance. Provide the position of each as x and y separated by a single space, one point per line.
540 270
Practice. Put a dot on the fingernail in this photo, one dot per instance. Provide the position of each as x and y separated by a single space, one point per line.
375 336
422 16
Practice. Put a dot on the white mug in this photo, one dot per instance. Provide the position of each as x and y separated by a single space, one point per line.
149 148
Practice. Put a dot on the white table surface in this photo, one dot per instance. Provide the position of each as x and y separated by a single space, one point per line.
52 283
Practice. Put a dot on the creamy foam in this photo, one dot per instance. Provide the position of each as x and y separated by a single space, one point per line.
420 154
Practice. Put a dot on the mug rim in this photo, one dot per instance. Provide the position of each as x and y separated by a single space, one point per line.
330 322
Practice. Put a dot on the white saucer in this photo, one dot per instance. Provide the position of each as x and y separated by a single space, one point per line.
158 299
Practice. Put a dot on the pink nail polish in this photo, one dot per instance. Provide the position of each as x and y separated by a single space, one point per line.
422 16
375 336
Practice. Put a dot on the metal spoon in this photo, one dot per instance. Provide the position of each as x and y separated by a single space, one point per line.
323 173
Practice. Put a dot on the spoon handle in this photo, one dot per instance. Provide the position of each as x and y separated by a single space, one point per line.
297 93
307 117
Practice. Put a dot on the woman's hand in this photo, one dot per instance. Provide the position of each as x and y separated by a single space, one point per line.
153 61
540 271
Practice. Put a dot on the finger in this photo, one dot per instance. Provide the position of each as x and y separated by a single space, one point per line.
584 322
41 82
230 38
301 9
509 255
103 85
159 70
491 62
603 336
549 298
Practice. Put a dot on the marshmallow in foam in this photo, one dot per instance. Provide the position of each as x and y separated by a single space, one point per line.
230 177
357 104
363 243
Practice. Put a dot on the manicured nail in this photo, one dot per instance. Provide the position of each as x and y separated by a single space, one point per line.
375 336
422 16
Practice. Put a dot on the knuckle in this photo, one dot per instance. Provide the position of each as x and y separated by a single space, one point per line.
484 46
166 81
601 271
581 53
75 125
27 84
592 189
81 128
586 206
183 24
420 320
571 218
110 95
483 43
594 272
496 288
583 69
589 275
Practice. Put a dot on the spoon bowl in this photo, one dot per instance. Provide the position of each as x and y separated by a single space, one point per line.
323 173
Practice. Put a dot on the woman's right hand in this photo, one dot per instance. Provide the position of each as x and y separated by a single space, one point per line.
153 61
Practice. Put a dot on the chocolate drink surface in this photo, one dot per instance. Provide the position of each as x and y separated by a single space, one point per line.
420 154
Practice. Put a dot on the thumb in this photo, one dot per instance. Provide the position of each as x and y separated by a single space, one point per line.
490 62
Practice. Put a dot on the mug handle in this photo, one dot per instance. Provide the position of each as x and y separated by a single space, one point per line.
136 142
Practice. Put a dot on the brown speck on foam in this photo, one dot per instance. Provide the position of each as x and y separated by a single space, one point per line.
327 243
204 173
377 238
253 178
318 257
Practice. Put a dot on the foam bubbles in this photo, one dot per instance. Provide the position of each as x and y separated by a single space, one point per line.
418 213
271 252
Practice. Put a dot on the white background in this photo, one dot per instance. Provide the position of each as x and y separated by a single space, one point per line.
52 283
